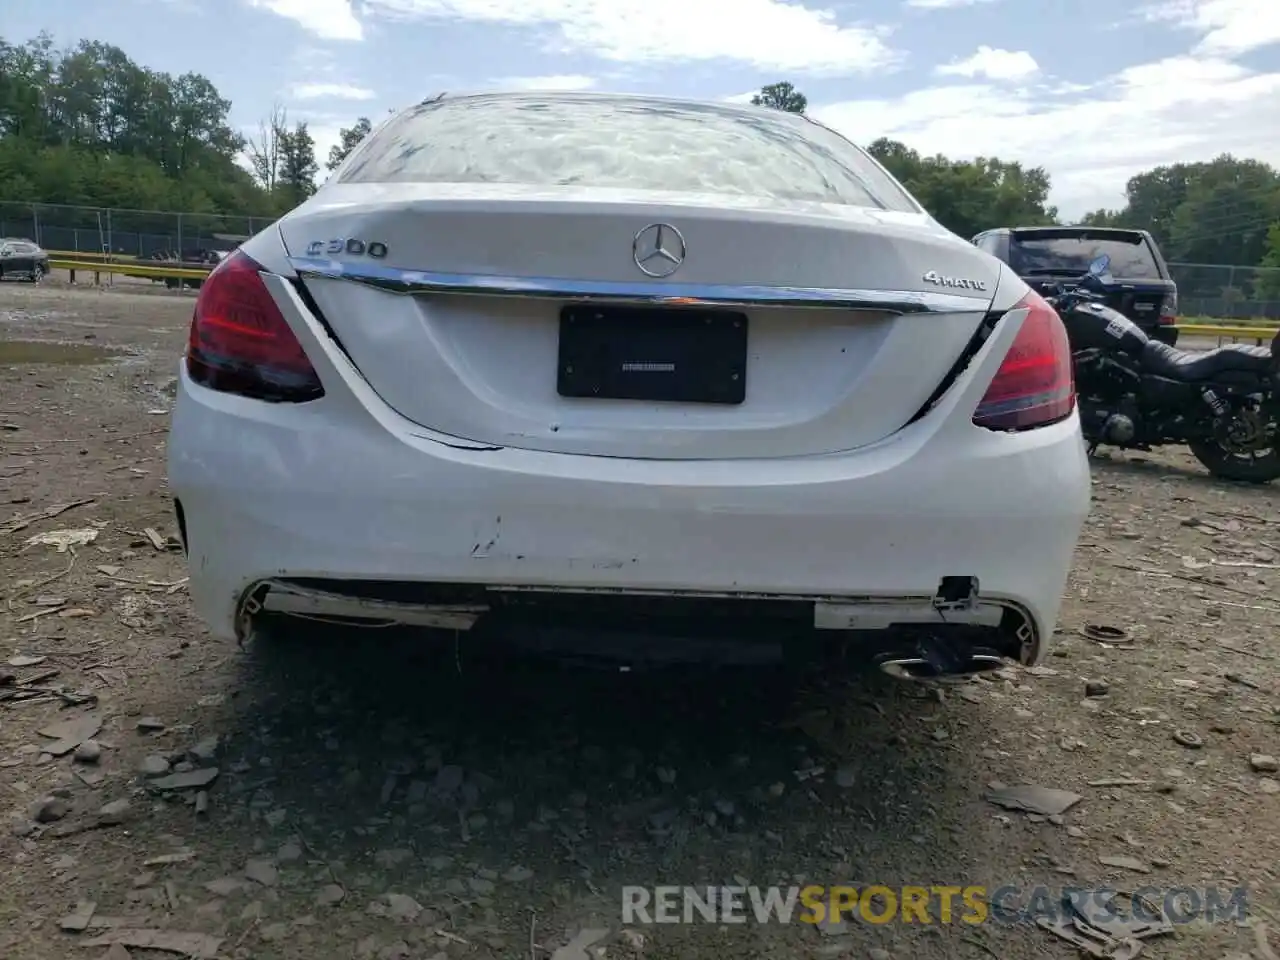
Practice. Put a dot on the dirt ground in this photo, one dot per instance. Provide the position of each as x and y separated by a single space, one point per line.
380 799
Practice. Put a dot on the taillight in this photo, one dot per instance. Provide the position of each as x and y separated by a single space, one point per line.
241 343
1034 386
1168 309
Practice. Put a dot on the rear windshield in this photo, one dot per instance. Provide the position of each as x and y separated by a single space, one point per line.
1131 256
627 143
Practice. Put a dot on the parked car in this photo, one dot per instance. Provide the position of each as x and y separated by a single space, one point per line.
1045 256
637 367
22 259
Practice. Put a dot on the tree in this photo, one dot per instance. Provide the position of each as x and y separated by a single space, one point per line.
1103 218
1225 213
348 139
781 96
264 151
87 125
1154 197
296 178
969 196
1267 286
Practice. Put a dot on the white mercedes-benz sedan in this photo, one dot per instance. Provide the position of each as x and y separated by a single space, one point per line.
611 363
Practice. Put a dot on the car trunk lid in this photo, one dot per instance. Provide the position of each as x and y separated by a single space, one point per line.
522 318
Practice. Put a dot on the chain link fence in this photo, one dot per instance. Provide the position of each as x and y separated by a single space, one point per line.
1227 292
146 234
1204 290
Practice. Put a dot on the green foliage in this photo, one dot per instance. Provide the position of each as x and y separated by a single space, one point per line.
1212 213
1224 216
969 196
89 126
781 96
1268 286
348 139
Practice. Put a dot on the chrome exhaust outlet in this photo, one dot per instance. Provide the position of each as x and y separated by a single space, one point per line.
922 668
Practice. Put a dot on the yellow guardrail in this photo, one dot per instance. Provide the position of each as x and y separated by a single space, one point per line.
94 255
136 268
1262 335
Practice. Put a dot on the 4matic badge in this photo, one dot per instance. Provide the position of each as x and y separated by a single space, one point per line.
964 283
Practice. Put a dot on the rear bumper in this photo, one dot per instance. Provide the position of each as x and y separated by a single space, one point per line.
24 267
271 492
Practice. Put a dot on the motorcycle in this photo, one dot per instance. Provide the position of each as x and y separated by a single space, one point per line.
1137 393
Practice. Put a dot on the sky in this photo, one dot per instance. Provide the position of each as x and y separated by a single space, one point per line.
1093 90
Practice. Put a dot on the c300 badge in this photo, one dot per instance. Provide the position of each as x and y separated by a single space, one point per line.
349 245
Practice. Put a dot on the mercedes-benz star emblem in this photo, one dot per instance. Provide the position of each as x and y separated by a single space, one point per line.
658 250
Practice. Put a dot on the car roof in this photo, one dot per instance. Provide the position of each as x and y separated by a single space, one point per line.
582 96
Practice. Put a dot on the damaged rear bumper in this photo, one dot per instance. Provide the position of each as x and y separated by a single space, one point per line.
953 633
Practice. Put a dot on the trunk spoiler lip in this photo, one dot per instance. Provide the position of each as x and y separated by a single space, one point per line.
410 282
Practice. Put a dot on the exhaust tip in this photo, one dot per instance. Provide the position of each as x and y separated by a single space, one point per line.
921 669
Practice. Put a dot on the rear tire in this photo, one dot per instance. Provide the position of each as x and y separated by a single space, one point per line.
1233 466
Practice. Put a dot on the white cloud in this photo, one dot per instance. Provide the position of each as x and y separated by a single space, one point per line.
767 34
326 134
1227 27
568 81
327 19
943 4
1181 108
329 91
993 64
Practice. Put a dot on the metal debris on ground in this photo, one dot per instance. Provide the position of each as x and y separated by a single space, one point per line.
64 540
576 949
21 523
78 919
1112 935
1045 801
1105 633
186 780
70 733
199 946
1123 862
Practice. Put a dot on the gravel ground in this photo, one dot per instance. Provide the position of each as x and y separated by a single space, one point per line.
377 798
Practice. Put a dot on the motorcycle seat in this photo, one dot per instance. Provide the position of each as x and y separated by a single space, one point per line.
1162 360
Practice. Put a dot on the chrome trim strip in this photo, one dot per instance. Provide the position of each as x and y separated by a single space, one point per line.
411 282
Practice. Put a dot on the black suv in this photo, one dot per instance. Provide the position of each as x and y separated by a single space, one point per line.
1042 255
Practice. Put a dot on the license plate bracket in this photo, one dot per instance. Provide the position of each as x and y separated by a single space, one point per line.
663 354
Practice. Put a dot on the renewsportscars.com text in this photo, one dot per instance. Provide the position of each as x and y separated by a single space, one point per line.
938 904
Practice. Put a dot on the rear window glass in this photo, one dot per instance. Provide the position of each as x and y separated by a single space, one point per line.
627 143
1131 256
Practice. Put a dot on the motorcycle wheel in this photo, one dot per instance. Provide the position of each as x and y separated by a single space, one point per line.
1243 466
